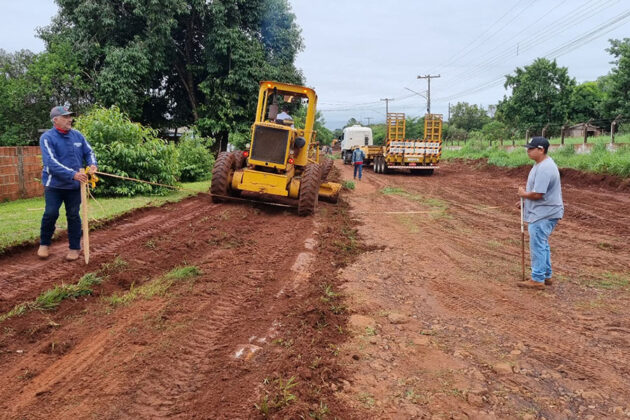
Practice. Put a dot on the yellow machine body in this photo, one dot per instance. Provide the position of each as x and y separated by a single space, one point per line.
279 153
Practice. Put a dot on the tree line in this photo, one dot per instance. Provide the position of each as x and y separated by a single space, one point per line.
164 63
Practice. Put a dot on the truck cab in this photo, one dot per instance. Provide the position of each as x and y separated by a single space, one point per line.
353 137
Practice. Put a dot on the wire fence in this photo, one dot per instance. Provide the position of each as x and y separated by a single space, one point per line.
588 132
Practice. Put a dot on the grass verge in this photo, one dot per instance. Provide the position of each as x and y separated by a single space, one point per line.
20 220
599 160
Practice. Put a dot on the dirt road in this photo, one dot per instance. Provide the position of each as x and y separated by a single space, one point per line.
443 330
399 303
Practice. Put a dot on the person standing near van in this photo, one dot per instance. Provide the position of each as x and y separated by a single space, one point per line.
357 160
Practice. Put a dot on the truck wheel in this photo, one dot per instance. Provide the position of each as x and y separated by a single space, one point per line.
309 189
384 167
326 166
378 165
223 168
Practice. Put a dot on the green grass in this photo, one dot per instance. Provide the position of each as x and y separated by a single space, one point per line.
599 160
348 185
51 298
156 287
20 220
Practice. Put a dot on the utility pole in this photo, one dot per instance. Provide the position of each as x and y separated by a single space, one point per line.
449 112
428 77
368 118
386 113
387 105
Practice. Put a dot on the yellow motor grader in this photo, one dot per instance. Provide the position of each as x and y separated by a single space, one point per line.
282 160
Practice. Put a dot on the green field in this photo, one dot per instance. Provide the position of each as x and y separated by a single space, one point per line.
20 219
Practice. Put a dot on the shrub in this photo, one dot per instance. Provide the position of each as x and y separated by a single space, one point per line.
128 149
195 159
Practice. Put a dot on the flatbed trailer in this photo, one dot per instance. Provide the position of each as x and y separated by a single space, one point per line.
412 155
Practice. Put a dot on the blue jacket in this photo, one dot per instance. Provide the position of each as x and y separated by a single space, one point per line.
357 155
63 155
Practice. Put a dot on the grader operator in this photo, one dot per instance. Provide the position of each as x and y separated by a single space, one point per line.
283 160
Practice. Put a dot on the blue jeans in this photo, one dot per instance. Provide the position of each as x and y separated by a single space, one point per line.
358 168
539 232
72 200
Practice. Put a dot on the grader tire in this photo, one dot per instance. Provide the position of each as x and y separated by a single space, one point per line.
309 189
239 160
326 166
221 175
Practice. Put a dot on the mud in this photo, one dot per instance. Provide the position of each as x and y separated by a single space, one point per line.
400 302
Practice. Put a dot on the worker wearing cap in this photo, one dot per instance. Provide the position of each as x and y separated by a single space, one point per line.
542 210
64 152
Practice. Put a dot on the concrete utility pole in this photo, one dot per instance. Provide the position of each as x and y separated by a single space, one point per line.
428 77
386 112
387 105
368 118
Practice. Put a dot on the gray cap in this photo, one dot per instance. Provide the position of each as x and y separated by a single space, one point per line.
59 111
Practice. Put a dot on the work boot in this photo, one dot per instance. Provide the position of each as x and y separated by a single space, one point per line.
531 284
42 252
548 282
73 255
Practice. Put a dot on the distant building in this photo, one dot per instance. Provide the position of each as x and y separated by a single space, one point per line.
577 130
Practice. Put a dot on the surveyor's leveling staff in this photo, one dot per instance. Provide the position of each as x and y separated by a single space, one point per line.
522 243
84 219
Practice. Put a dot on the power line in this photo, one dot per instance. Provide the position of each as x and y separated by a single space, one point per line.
595 33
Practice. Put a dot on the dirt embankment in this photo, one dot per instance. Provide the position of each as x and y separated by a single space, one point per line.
400 303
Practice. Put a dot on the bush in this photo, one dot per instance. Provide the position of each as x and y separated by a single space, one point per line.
195 159
128 149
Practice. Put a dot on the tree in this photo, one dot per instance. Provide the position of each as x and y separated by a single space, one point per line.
176 62
616 84
495 131
541 94
468 117
586 102
352 121
32 85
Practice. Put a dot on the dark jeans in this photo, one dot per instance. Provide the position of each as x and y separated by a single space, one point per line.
358 168
72 200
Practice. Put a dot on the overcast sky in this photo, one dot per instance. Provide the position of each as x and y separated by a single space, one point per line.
360 51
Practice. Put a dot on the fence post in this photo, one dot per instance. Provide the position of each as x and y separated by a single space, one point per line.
526 135
544 130
586 129
20 171
613 125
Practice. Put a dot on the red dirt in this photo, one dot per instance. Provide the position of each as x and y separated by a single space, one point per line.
431 324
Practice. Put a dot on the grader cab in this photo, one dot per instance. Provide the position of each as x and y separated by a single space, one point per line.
283 161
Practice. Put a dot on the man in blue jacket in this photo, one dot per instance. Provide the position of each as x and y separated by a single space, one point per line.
64 152
357 161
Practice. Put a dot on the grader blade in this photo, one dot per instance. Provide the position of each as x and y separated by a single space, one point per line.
329 191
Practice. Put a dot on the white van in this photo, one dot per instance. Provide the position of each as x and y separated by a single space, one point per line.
354 136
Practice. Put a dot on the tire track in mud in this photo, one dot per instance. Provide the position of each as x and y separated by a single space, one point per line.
175 391
30 275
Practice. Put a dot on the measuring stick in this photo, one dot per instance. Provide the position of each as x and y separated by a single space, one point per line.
84 220
522 243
